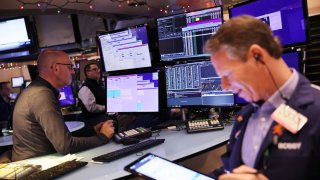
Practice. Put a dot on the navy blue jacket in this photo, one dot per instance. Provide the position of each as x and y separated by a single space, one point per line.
276 158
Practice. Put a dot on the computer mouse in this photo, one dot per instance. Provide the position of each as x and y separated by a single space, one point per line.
128 141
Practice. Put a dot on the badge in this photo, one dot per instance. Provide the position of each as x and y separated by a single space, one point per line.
289 118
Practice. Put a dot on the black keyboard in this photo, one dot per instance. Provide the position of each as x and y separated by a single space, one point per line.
201 125
128 150
57 170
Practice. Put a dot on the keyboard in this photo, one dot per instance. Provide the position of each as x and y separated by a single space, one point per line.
137 133
128 150
57 170
201 125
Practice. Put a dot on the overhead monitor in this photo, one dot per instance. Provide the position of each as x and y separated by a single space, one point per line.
17 81
15 34
182 36
195 84
286 18
125 49
293 60
55 30
133 93
66 96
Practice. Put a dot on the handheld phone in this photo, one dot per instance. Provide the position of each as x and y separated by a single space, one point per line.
151 166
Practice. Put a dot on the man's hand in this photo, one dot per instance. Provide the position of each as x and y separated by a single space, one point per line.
98 126
107 128
243 172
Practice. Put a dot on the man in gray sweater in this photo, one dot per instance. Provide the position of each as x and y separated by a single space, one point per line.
38 124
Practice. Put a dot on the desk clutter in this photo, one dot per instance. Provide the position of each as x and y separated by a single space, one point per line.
49 168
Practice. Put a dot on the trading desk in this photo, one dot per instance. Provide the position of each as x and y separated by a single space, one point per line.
177 145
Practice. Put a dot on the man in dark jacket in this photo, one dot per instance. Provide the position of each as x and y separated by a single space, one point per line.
92 96
277 136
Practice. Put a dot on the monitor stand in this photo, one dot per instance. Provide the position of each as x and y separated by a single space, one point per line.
183 114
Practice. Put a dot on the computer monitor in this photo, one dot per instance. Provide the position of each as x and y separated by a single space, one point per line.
133 93
17 81
66 96
293 60
125 49
195 84
286 18
15 34
182 36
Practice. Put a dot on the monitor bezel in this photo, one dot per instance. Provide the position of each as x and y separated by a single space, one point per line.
74 99
16 77
186 59
30 34
119 30
161 90
194 106
305 14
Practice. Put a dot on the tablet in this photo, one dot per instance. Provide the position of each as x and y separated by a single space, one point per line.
151 166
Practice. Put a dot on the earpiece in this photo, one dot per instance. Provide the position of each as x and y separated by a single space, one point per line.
257 57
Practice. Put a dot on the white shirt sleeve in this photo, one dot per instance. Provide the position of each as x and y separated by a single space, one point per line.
89 101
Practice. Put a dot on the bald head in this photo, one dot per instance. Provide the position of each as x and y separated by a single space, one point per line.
55 67
48 57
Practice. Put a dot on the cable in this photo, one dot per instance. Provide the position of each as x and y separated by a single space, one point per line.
274 82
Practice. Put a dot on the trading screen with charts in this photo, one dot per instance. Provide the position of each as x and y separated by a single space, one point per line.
133 93
195 84
125 49
184 35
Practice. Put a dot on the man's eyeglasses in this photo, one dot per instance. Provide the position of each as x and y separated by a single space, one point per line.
69 65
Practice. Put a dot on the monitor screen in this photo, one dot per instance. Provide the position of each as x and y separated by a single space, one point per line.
292 59
133 93
54 30
286 18
125 49
182 36
66 96
14 34
17 81
195 84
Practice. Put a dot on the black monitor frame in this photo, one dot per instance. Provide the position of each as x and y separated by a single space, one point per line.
185 59
152 55
161 89
305 14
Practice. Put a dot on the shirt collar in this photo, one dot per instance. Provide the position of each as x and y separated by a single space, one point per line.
44 82
286 89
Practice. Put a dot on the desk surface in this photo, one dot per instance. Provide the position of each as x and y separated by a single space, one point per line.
178 144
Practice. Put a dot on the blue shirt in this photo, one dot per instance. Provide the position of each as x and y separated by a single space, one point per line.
260 122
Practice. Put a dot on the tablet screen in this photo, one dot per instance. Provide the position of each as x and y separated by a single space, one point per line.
158 168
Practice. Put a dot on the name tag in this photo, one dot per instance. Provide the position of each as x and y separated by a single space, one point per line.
289 145
289 118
